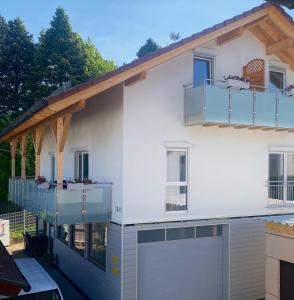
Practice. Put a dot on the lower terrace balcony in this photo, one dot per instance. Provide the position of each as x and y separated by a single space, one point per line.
215 103
280 194
90 203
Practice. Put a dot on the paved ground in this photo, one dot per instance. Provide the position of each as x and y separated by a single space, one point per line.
68 290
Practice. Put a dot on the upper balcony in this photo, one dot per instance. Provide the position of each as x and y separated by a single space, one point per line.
215 103
83 204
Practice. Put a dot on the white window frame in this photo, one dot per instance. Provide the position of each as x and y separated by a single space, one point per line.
77 164
285 164
178 183
211 60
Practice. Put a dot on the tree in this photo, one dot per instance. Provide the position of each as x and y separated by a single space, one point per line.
174 36
17 52
60 54
150 46
95 64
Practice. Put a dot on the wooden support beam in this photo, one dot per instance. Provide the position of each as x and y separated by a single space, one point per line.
256 22
13 146
38 137
23 144
229 36
135 79
282 129
224 125
62 127
53 129
255 127
268 128
66 125
208 124
240 126
279 46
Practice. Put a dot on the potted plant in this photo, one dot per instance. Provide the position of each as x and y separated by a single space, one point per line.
238 82
290 90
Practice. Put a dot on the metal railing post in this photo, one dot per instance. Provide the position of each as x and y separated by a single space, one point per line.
277 112
230 106
254 107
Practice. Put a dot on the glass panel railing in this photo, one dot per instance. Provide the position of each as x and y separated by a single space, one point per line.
265 109
241 107
98 204
73 206
285 111
194 105
216 104
69 206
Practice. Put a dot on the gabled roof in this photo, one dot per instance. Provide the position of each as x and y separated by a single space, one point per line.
268 22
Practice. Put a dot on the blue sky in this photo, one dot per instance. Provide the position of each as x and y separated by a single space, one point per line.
119 27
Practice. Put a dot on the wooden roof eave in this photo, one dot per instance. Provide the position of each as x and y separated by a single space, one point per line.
58 105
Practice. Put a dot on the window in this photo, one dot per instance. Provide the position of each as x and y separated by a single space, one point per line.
98 243
176 189
82 165
202 70
149 236
281 176
180 233
208 231
277 80
78 236
63 233
52 167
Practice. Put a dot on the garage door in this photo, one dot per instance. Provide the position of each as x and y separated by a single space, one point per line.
180 269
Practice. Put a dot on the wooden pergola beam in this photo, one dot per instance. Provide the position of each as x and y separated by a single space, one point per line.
279 46
61 127
229 36
13 147
38 137
23 147
135 79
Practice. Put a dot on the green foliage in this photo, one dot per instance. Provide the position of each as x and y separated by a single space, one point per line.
150 46
17 52
95 64
4 162
64 56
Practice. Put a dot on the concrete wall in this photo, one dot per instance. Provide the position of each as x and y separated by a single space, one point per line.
228 168
278 247
97 129
93 281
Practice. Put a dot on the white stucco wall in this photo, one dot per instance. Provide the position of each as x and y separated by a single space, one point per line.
97 129
228 168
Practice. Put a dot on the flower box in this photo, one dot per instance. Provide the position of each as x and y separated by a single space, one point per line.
238 84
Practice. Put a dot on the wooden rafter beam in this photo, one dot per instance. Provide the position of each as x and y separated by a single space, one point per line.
256 22
229 36
135 79
272 30
279 46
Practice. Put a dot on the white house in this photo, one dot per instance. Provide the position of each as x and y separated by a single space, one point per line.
183 159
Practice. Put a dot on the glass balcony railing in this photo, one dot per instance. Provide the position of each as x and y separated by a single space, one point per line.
216 103
63 206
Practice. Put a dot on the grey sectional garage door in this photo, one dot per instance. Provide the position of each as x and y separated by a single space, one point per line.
188 269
